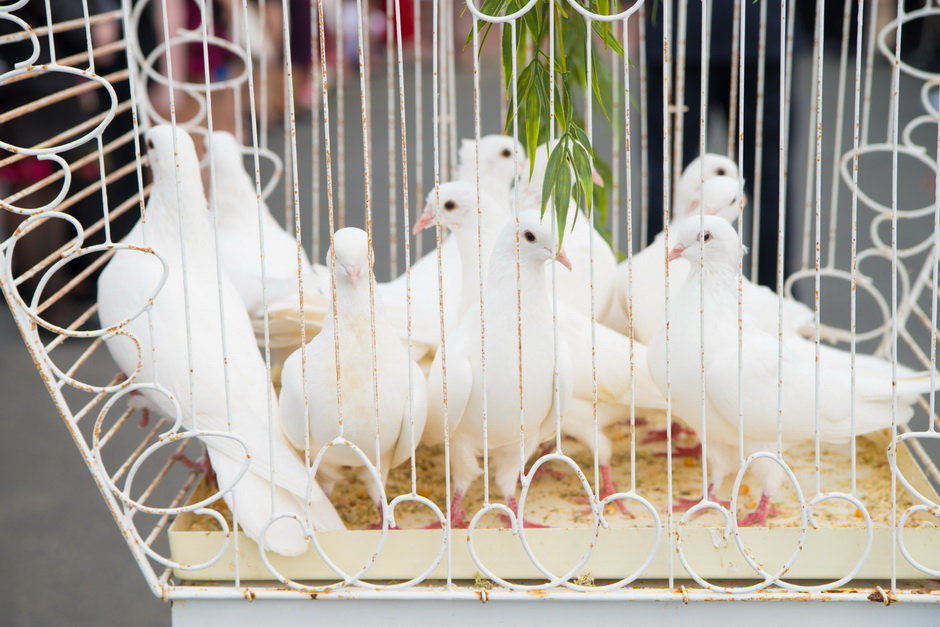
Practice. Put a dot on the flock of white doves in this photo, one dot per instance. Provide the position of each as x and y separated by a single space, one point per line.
197 357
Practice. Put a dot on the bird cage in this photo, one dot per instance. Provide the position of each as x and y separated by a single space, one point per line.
823 126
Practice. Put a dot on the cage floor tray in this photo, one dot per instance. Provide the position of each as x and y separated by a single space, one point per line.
829 552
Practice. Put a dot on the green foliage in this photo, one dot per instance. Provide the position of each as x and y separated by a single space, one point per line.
572 162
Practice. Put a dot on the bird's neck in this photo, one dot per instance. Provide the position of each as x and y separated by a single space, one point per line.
720 283
171 206
503 280
236 199
353 306
474 260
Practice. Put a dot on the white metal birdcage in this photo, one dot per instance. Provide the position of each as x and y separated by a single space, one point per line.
827 120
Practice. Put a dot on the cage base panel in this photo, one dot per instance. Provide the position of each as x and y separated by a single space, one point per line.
552 611
828 552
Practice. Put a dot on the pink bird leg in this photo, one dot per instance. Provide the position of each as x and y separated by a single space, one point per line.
760 514
610 487
683 504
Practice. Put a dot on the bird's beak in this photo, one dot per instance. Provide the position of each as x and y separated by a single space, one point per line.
676 252
353 273
426 219
596 178
562 258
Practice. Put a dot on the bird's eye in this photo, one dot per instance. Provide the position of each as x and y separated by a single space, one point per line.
507 153
150 144
529 236
720 171
450 205
707 236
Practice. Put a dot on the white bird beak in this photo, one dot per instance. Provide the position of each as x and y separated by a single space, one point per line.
353 273
426 219
676 252
597 178
562 258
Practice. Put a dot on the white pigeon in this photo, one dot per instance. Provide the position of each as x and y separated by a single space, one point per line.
500 157
396 416
475 230
206 402
465 378
759 376
239 210
574 288
688 191
647 305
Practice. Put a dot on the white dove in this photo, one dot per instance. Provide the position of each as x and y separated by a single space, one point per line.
239 207
688 191
649 265
500 156
759 376
208 402
574 288
393 417
475 231
464 367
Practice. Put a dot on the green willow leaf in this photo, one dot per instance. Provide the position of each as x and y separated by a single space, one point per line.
556 162
585 178
561 198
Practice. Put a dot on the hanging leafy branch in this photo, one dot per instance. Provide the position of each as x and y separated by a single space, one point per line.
573 161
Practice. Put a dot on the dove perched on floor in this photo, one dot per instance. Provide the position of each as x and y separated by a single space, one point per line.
475 228
395 416
574 288
188 309
239 211
465 376
718 274
500 156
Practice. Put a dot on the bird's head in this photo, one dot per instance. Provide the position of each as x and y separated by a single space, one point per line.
718 238
721 195
160 152
537 243
225 151
458 206
351 246
500 157
703 168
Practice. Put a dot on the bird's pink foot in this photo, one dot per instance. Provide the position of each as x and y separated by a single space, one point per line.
683 504
661 435
202 464
144 418
457 518
759 515
610 487
694 452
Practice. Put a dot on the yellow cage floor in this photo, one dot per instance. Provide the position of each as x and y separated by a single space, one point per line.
557 500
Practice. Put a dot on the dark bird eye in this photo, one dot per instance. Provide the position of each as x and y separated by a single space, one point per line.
529 236
507 153
720 171
707 236
150 144
450 205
